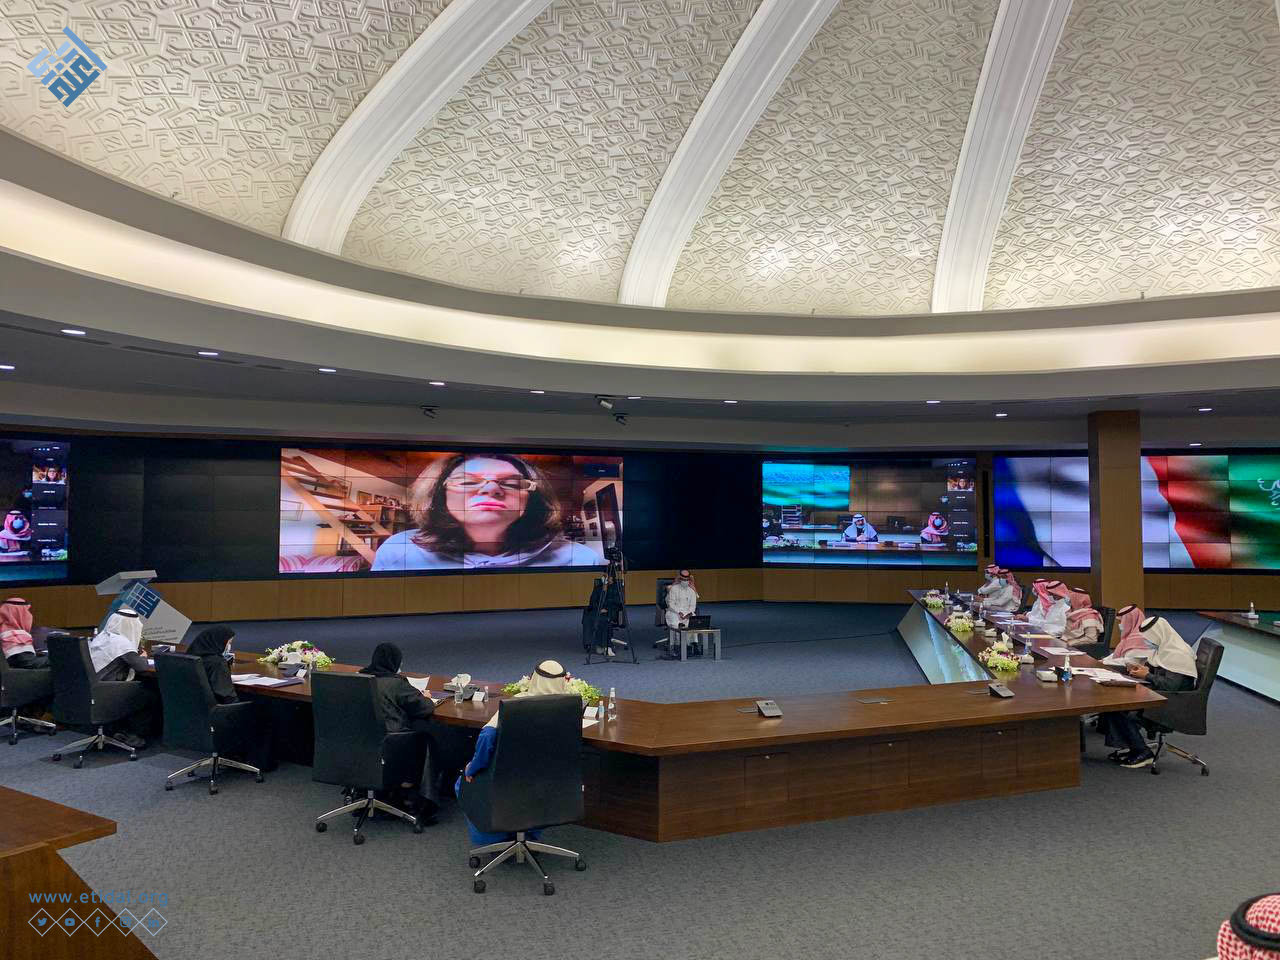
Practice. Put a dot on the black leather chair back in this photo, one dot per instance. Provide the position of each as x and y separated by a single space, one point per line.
73 679
21 687
1188 712
660 601
535 778
1108 626
188 701
349 730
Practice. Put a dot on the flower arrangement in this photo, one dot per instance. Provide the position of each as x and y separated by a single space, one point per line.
1000 657
308 653
934 600
590 695
960 623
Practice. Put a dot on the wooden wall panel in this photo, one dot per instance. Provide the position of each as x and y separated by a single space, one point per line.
641 584
246 599
840 586
194 600
1158 587
744 584
305 599
891 586
788 585
496 591
84 607
546 590
433 594
48 604
369 597
1263 591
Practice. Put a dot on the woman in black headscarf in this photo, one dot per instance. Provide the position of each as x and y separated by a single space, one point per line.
212 645
405 710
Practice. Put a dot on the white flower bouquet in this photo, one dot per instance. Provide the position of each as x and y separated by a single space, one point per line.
934 600
590 695
960 623
999 657
300 651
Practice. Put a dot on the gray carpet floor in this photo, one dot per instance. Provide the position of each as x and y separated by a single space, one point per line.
1127 865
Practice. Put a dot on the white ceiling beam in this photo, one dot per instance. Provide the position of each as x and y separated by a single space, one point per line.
466 35
1019 55
773 41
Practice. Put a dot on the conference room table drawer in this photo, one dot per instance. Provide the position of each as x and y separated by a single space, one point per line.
765 778
890 763
1000 753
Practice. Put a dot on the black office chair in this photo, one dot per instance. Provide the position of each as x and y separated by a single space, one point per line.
354 750
1186 712
660 610
81 699
194 720
1102 649
22 688
533 781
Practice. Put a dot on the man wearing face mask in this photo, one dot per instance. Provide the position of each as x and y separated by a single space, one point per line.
860 531
682 600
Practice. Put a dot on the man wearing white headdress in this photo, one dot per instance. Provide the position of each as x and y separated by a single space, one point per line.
1171 668
860 530
548 678
1005 594
114 651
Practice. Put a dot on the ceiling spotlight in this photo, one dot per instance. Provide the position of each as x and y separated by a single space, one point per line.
207 353
537 391
73 332
1205 409
1001 414
7 366
932 402
731 401
325 370
635 398
436 383
605 402
1193 444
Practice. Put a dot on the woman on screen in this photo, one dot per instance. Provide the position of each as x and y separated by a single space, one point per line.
490 510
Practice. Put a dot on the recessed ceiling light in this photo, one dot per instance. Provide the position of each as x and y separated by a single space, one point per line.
932 402
7 366
1001 414
731 401
1193 444
537 391
436 383
325 370
73 332
1205 409
635 398
207 353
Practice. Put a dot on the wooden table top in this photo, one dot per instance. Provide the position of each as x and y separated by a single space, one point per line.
31 820
1267 623
658 729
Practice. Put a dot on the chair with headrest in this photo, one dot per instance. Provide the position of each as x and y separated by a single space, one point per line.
1186 712
20 689
81 699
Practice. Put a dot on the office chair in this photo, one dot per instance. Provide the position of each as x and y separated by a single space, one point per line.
534 781
193 720
660 611
1187 711
81 699
21 688
354 750
1102 649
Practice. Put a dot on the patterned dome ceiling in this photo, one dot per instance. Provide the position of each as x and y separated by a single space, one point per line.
843 157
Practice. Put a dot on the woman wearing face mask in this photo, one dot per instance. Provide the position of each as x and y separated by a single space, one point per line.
213 646
491 510
1171 668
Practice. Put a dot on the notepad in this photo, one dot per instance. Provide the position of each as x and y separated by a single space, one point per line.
253 680
587 723
420 684
1062 652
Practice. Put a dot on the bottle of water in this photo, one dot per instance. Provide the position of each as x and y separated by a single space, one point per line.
613 703
1066 669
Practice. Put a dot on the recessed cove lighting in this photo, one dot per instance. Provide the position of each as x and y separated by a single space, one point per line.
1001 414
436 383
73 332
1205 409
1193 444
7 366
932 402
635 398
207 353
325 370
731 401
537 391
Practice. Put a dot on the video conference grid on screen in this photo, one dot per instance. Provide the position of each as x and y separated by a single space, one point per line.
902 512
33 488
352 510
1199 511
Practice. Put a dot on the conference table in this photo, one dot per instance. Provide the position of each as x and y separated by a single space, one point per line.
674 771
1250 649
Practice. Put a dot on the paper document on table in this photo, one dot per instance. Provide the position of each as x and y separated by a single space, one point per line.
1099 675
1060 651
253 680
1131 657
420 684
587 723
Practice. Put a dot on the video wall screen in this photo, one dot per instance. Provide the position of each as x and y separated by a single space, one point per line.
904 512
1211 512
353 510
33 491
1041 512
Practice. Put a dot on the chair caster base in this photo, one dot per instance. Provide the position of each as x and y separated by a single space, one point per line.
258 779
56 757
1204 771
191 773
79 763
213 790
417 826
478 886
13 741
168 786
579 865
132 755
358 839
321 827
474 863
548 889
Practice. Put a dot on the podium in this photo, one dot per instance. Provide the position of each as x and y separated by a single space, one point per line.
161 623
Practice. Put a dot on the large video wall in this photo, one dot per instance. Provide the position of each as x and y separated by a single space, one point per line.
33 494
902 512
352 510
1199 511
